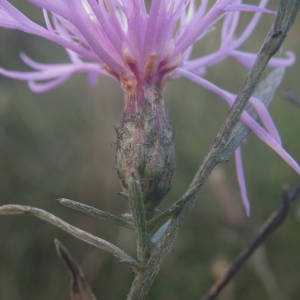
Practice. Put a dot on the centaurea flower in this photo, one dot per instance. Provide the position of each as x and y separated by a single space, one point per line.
141 49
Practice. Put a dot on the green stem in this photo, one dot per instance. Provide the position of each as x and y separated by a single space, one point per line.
136 201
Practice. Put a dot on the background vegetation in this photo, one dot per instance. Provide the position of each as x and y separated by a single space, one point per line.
61 144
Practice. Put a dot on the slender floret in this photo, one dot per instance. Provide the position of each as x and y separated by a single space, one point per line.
142 48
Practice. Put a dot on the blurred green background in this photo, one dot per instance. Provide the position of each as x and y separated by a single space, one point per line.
61 144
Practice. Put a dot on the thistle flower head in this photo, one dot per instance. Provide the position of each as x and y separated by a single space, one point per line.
142 47
130 43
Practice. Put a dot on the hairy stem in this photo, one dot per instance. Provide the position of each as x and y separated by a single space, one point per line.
137 208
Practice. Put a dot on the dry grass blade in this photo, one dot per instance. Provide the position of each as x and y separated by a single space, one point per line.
271 224
80 289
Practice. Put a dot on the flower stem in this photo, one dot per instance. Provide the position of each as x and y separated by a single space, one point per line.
136 201
144 278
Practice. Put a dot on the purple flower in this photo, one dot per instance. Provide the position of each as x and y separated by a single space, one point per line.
137 46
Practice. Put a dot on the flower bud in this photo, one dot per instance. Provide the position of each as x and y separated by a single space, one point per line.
145 145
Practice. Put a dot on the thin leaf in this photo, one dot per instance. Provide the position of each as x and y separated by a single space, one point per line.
96 213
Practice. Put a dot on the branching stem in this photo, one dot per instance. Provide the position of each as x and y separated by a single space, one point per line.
285 17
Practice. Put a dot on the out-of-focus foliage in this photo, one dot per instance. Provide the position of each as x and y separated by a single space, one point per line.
61 144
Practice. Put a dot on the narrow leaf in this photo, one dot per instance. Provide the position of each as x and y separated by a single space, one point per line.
95 212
